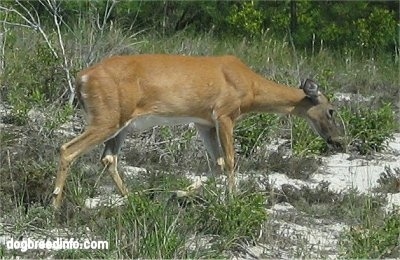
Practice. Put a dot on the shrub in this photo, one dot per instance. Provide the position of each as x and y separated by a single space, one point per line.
32 79
236 218
305 141
153 225
375 240
144 228
253 130
389 180
370 129
246 19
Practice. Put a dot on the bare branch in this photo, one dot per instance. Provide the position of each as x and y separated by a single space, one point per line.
34 23
32 20
57 22
17 24
3 40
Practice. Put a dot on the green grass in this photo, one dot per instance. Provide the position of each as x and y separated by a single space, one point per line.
374 239
370 130
153 225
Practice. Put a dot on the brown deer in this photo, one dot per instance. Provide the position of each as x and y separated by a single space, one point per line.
142 91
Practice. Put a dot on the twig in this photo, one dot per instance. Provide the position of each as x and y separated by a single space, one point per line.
11 175
35 24
3 40
32 21
57 22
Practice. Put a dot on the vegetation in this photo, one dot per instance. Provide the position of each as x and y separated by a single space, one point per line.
345 46
374 239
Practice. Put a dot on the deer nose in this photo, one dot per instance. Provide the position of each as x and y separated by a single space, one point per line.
336 143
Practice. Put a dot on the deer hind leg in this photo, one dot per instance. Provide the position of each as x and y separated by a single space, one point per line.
72 150
110 159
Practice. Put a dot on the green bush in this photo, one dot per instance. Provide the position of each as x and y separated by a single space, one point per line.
370 129
144 228
233 218
374 240
154 225
375 31
254 130
305 141
38 85
246 19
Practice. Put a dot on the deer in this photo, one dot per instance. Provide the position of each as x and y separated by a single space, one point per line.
138 92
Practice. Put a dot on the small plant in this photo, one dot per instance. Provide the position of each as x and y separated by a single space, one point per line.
348 206
153 225
28 180
389 180
144 228
39 84
374 240
253 131
353 207
236 218
305 141
59 116
296 167
370 129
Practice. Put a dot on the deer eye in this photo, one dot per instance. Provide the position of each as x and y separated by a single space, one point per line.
330 113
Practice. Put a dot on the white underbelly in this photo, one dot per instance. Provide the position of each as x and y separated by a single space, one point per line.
147 122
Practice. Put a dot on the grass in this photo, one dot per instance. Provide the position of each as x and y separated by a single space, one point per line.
150 225
374 239
389 181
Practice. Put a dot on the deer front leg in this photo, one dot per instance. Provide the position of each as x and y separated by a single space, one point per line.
210 140
225 135
209 137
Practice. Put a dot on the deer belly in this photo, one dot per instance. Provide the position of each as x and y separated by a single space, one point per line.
146 122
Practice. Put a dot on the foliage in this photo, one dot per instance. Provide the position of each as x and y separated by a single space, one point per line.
376 30
246 19
253 131
389 181
348 206
379 239
237 217
305 141
370 129
59 116
357 24
152 226
354 207
36 86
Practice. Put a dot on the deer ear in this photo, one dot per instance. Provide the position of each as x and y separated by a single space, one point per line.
310 88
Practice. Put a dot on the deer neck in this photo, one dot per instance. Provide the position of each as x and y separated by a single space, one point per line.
269 96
